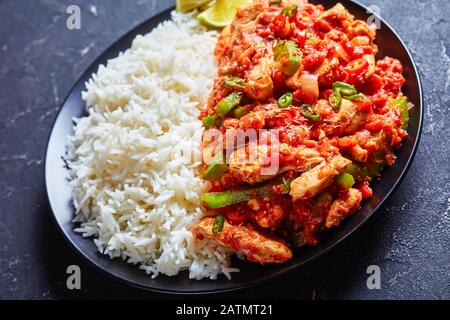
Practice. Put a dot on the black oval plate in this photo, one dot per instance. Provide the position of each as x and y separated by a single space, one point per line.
59 193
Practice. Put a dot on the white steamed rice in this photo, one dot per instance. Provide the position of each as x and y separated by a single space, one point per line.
133 159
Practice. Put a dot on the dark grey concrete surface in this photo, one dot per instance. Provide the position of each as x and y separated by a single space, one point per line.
39 62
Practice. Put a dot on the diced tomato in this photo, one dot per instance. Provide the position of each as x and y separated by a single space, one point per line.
375 124
217 188
265 33
237 214
299 215
301 97
279 82
228 181
254 120
373 84
379 100
281 119
310 143
364 105
237 217
265 19
365 189
340 74
324 110
322 25
313 58
390 159
326 93
303 217
368 50
331 51
391 71
353 51
346 142
301 38
203 114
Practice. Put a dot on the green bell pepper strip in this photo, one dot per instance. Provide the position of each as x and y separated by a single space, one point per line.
228 103
345 180
209 121
217 200
289 55
402 103
241 111
357 171
355 97
285 100
375 165
309 112
218 223
215 169
291 66
298 238
324 198
344 89
335 100
372 169
235 82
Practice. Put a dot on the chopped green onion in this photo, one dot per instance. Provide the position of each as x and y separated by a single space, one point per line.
345 180
402 103
215 169
290 11
344 88
285 100
228 103
309 112
355 96
241 111
235 82
335 100
218 223
209 121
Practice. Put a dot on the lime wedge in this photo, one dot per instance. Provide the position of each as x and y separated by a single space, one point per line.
222 12
188 5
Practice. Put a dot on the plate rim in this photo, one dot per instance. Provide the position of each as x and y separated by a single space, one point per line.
263 279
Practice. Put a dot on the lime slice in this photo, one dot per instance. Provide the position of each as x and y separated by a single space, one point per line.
222 12
188 5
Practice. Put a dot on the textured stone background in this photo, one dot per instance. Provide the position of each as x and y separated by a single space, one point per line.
40 60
